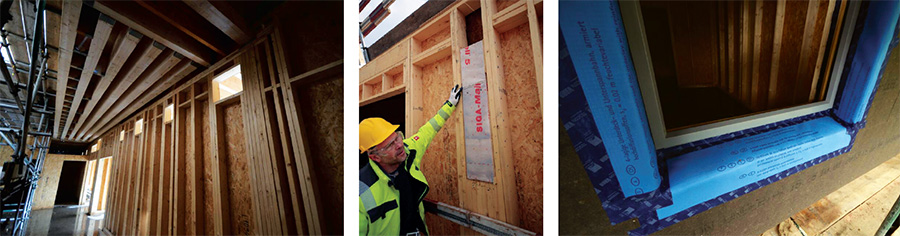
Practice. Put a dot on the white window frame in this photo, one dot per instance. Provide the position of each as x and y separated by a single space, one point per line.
633 22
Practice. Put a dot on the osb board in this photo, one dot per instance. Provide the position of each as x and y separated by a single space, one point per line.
314 37
526 125
207 166
188 169
45 194
5 154
439 162
322 111
440 36
238 174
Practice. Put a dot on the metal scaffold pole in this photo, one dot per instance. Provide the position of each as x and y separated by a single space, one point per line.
28 140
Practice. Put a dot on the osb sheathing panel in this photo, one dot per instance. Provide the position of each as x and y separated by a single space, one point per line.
238 174
188 169
435 39
323 117
526 125
5 154
45 194
439 162
206 155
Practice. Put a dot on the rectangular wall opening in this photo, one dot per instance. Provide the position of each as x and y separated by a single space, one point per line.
227 83
71 179
721 60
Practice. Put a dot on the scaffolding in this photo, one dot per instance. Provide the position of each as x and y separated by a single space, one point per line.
28 139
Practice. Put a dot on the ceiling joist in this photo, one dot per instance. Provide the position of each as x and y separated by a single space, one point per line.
182 70
121 52
148 54
67 33
157 70
101 35
138 18
223 17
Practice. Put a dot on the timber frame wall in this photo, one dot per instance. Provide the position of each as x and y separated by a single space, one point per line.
242 164
425 65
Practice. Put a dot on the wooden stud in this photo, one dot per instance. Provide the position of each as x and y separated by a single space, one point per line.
832 51
757 47
301 145
776 54
536 47
823 42
803 86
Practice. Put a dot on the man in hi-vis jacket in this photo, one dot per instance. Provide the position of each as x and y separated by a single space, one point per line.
391 184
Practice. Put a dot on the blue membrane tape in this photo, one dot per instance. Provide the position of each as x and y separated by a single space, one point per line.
578 121
871 49
595 39
698 176
656 209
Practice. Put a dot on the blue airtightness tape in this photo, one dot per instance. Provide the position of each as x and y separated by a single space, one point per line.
698 176
806 147
870 52
612 92
578 120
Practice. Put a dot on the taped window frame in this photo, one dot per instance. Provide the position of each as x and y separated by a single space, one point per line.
632 20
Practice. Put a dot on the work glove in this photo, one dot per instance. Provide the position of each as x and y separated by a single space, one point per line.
455 93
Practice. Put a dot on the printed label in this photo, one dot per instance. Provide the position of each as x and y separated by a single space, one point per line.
479 153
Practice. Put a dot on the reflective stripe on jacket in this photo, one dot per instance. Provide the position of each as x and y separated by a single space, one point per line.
379 197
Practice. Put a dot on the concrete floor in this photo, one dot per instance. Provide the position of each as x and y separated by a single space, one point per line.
64 220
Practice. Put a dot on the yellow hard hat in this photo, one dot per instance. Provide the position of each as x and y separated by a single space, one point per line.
373 131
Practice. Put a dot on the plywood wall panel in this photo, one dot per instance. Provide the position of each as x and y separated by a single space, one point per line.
324 122
526 125
45 194
435 39
238 173
439 162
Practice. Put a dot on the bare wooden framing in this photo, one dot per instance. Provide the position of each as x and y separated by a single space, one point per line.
185 178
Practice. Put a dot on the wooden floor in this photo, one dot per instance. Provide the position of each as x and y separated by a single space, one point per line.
858 208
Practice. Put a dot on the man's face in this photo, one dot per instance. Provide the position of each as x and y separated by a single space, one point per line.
390 151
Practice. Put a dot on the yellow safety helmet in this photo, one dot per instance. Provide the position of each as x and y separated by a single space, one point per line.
373 131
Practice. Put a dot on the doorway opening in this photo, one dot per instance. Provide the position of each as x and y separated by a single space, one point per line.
70 180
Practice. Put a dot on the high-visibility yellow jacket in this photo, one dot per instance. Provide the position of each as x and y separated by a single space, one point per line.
380 198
